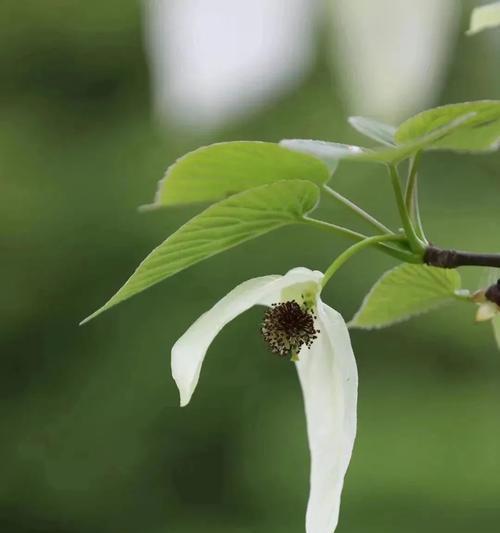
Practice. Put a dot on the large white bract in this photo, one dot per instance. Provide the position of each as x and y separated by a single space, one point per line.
327 373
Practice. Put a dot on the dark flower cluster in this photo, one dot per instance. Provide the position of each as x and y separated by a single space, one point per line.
287 327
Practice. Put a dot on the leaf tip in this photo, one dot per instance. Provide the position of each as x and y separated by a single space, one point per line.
91 317
97 312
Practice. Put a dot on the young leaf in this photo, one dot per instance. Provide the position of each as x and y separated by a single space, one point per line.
220 170
330 152
481 132
378 131
484 17
224 225
403 292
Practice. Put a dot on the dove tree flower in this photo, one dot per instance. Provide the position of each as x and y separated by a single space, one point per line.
488 301
300 326
258 187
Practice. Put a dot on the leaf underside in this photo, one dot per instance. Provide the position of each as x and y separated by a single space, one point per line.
374 129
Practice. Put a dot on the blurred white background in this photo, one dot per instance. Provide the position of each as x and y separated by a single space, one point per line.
213 61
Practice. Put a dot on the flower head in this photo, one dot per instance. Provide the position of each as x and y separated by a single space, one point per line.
301 326
287 327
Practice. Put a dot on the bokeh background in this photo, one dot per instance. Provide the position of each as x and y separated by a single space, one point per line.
96 99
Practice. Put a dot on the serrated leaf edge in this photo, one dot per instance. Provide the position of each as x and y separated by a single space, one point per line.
111 301
352 325
157 204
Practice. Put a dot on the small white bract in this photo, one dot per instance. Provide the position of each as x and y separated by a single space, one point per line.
487 311
489 302
327 373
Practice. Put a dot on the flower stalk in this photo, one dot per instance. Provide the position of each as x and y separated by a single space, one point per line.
357 210
398 248
354 249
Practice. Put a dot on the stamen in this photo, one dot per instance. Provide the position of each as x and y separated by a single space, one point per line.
287 327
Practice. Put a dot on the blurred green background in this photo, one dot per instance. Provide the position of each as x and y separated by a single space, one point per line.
92 438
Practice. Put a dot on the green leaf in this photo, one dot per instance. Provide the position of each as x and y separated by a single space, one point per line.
330 152
224 225
378 131
406 291
479 133
484 17
220 170
466 127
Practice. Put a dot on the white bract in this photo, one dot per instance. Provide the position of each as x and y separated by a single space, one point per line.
487 311
487 299
327 373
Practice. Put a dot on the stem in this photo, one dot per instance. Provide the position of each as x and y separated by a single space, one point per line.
358 210
411 196
399 249
411 184
418 220
346 232
352 250
416 244
440 258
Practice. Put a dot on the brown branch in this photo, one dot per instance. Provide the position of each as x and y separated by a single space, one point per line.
438 257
